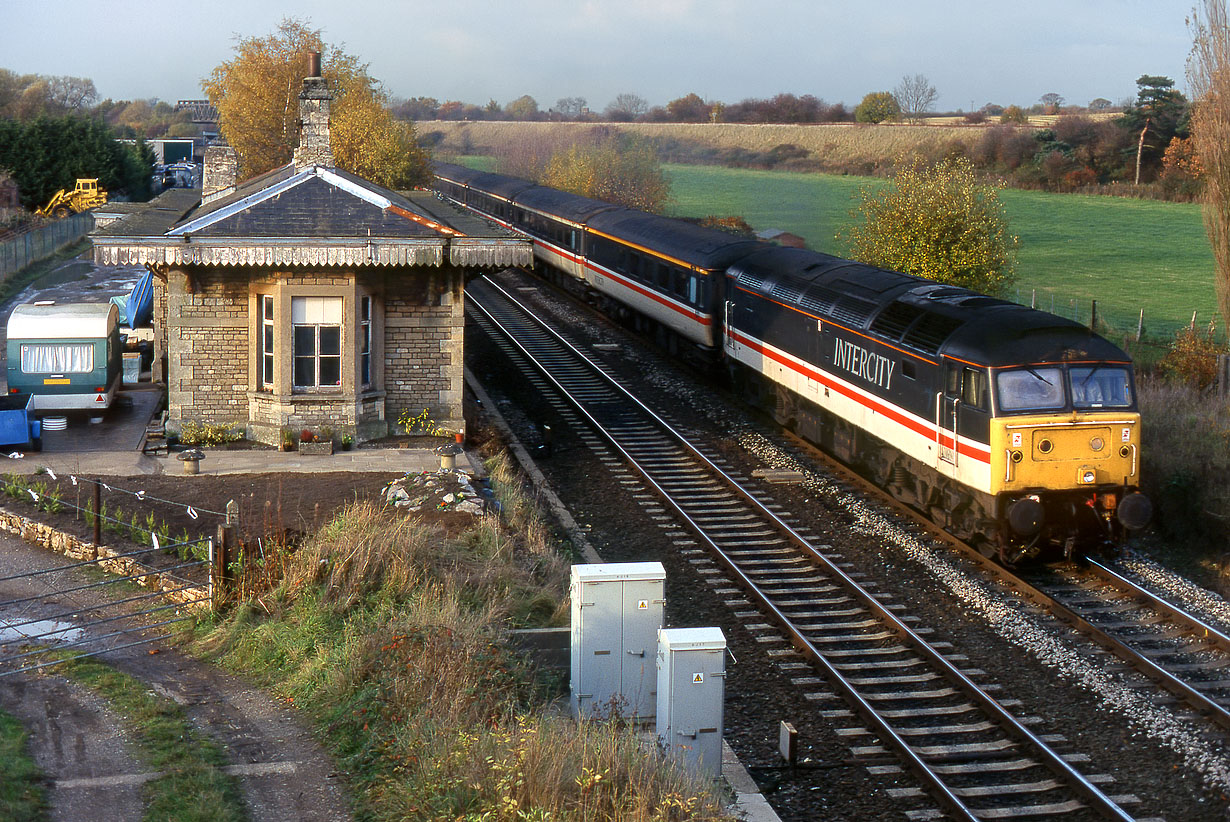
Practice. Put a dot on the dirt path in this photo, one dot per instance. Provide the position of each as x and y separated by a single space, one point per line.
83 748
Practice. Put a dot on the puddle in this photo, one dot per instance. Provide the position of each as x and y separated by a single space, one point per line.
42 632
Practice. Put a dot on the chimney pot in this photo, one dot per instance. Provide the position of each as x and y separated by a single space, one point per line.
314 64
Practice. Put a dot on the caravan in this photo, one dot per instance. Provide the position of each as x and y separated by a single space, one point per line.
67 356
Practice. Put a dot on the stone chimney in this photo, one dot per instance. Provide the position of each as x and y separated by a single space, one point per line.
314 148
220 172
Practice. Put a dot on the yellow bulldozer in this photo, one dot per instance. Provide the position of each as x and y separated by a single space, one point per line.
86 195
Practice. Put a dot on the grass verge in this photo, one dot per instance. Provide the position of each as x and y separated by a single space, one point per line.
391 634
191 786
1185 460
22 797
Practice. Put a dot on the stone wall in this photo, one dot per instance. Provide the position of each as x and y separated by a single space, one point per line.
207 346
424 334
171 586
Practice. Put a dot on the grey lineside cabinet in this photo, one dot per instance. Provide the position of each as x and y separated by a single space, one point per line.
617 610
691 691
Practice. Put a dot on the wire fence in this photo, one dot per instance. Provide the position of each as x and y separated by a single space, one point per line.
34 245
1115 320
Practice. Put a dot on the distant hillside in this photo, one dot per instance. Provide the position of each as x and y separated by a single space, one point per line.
860 148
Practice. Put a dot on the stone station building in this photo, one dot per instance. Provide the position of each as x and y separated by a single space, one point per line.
307 296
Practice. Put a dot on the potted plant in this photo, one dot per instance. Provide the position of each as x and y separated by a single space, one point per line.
347 442
288 440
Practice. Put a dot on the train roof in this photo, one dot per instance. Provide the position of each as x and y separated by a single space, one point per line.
704 248
562 204
917 313
501 185
454 172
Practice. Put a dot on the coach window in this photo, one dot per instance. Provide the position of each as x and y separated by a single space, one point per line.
681 284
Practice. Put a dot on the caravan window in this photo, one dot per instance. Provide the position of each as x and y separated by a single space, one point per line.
57 358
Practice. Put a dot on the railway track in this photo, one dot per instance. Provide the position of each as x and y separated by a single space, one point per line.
1180 652
920 710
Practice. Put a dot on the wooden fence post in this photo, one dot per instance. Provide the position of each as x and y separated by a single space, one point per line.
97 514
221 554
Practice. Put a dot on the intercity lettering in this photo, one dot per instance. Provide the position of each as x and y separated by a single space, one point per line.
862 363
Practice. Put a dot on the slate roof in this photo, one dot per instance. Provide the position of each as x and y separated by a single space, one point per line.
316 216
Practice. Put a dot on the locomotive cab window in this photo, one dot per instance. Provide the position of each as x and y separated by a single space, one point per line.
1030 389
1100 387
970 386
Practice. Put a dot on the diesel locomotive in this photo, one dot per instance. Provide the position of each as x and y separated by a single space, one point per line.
1011 428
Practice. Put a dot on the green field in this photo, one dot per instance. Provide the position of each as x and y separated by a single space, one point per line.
1126 254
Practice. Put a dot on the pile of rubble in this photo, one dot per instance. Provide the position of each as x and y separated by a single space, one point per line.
438 491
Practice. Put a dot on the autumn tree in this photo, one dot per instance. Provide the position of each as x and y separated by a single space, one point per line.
524 107
689 109
417 108
1014 114
936 222
877 107
257 97
1208 76
615 167
915 95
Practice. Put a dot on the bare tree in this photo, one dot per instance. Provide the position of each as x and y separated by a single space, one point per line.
1208 75
72 93
1051 102
570 106
626 107
915 95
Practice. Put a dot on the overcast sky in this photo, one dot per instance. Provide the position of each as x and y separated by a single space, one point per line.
973 51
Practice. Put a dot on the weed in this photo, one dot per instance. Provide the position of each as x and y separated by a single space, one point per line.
209 433
420 423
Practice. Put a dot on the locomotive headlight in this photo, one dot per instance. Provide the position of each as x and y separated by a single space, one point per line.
1087 476
1045 446
1125 451
1097 444
1017 456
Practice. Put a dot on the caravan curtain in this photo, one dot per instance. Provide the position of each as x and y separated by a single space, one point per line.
57 358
